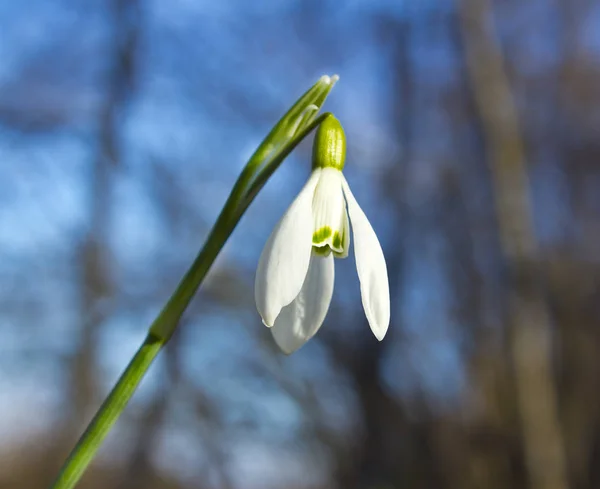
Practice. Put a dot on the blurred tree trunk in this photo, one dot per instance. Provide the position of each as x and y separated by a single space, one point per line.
95 256
391 450
96 285
528 318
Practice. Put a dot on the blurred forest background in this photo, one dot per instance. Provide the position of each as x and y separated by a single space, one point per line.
473 146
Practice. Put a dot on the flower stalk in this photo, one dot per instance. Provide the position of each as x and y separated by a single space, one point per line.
291 129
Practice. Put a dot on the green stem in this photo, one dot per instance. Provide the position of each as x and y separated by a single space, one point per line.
282 139
108 413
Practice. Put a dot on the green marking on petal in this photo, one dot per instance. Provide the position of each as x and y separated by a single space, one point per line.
321 235
340 244
337 240
321 250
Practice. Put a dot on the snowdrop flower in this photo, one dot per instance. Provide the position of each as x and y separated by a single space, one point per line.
295 275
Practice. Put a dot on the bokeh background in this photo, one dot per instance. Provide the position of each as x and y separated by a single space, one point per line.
474 147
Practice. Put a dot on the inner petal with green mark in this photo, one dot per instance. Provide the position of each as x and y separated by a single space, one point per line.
331 231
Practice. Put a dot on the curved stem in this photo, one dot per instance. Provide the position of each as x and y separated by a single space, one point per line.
282 139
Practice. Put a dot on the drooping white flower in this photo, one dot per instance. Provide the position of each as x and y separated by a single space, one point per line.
295 275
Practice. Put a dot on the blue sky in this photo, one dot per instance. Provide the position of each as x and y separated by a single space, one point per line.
211 80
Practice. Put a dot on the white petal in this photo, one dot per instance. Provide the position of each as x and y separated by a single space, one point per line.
284 261
345 236
299 321
370 264
329 210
